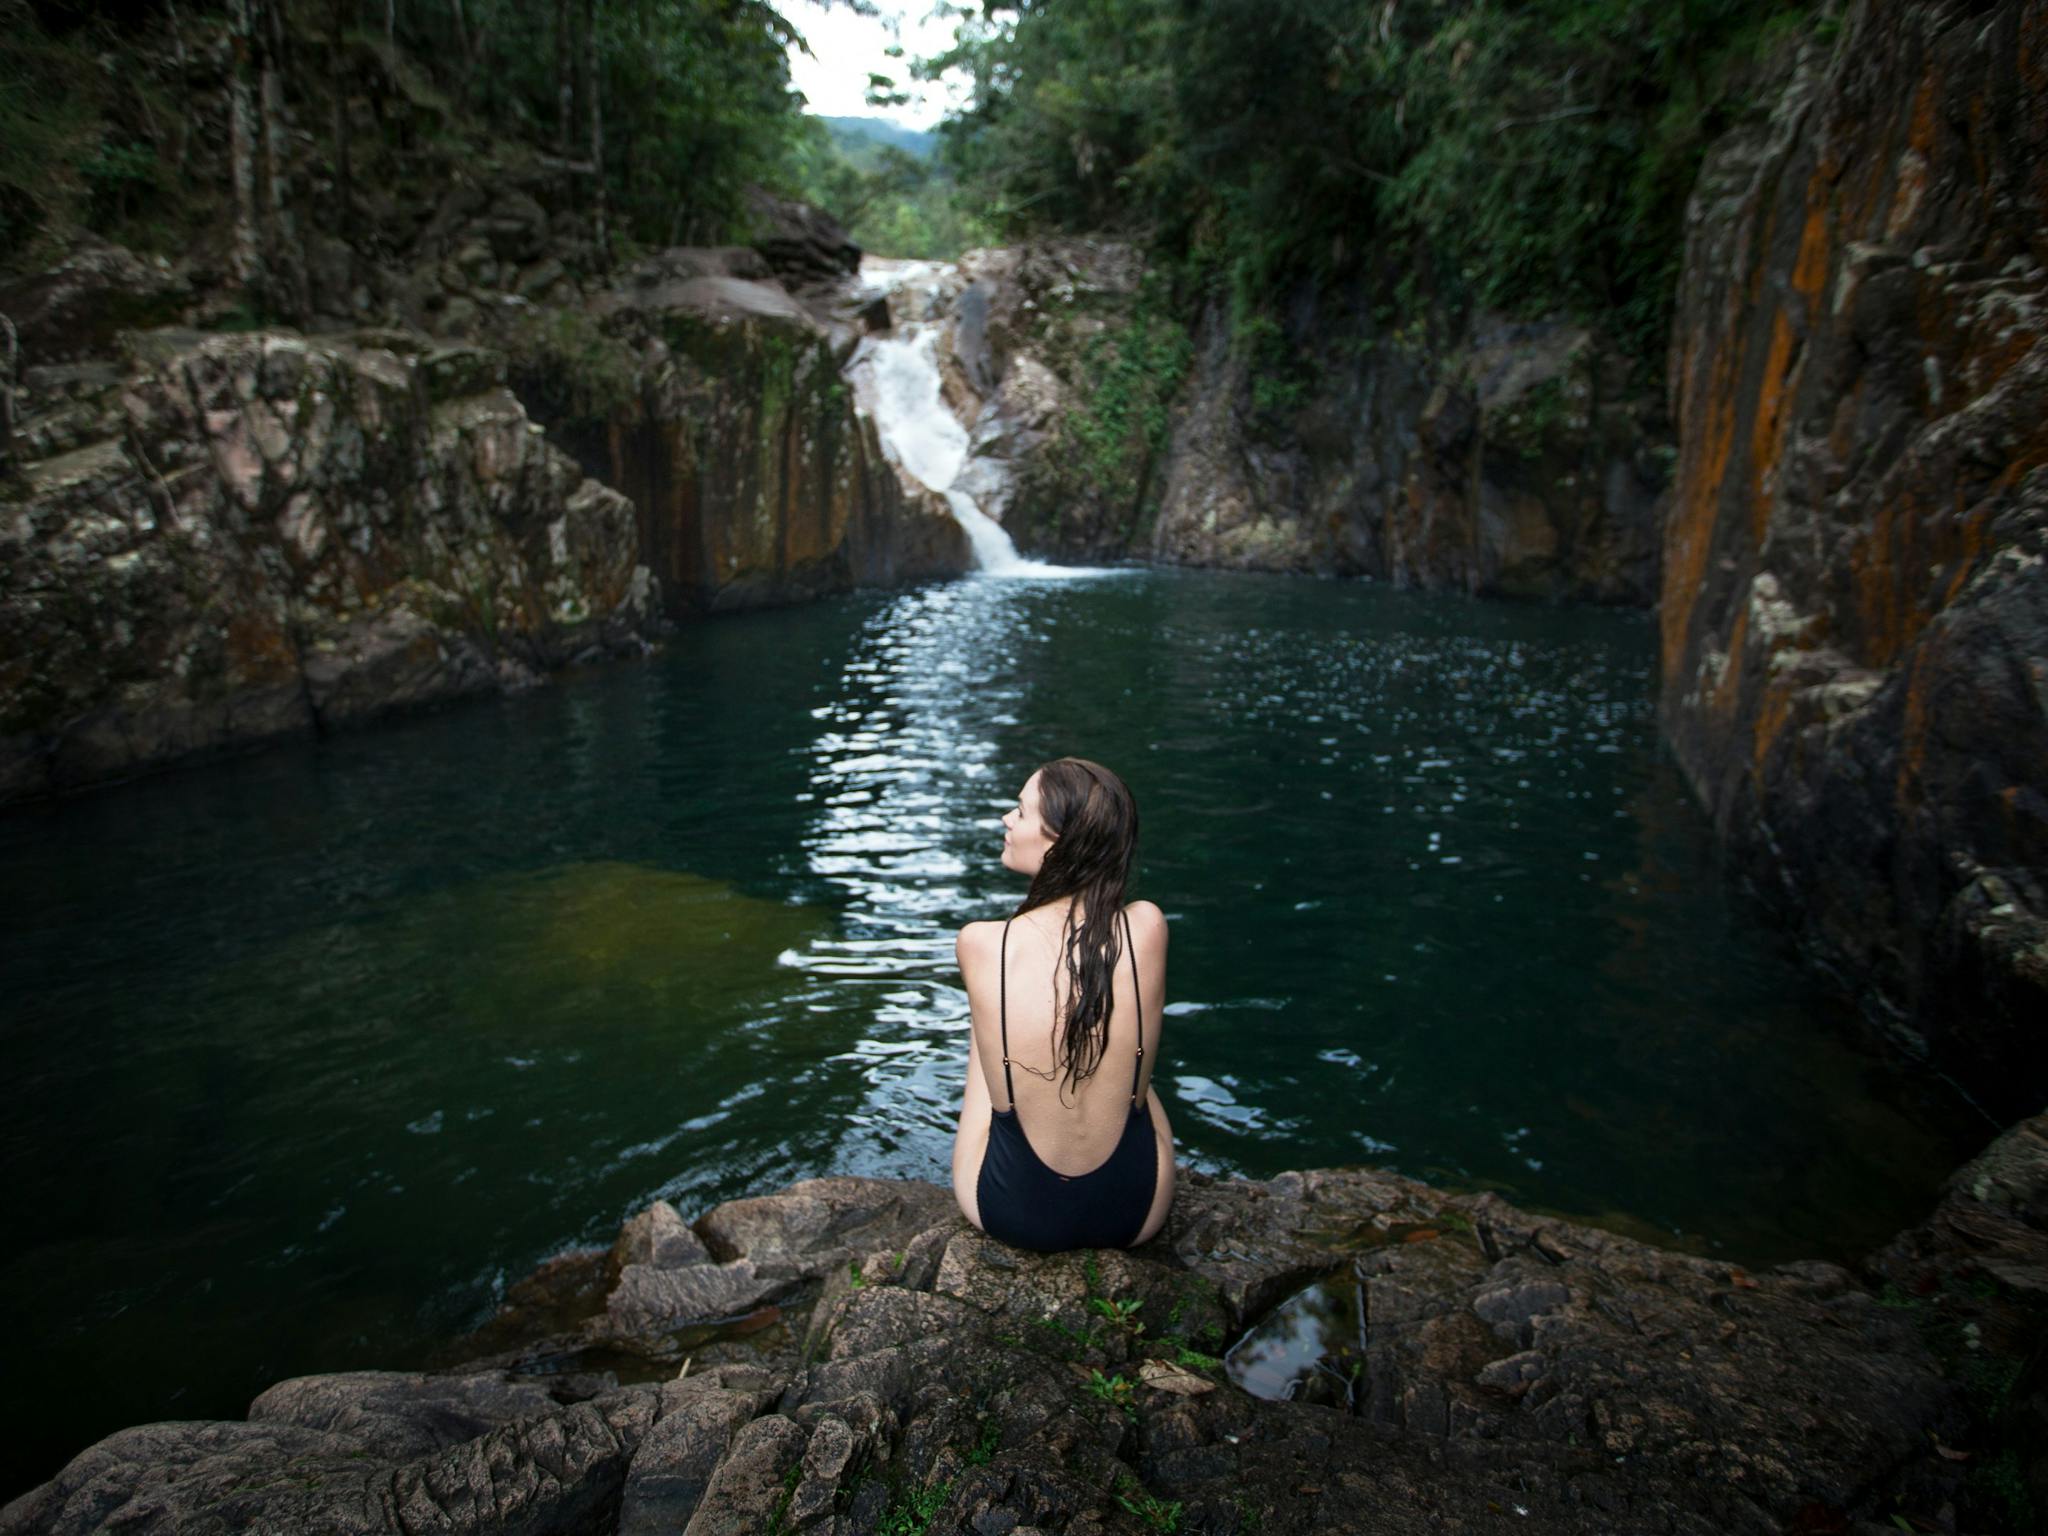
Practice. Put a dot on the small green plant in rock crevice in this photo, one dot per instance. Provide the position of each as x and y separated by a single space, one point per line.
777 1520
1988 1380
1114 1390
1157 1513
986 1442
1121 1315
911 1514
1075 1338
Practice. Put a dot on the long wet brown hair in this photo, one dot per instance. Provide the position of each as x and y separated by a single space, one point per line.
1094 825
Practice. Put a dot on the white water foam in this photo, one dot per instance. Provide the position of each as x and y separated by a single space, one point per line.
897 378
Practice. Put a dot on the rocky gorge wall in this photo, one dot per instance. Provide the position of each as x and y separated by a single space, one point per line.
1508 459
239 538
1854 609
415 433
755 477
213 540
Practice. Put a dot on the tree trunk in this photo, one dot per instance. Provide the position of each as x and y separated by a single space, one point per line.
177 38
565 81
281 253
598 225
391 24
461 37
248 250
337 83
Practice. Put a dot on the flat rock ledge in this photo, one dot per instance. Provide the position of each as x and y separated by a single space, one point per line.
850 1356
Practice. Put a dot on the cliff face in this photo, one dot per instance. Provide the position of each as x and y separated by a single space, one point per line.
215 540
1854 607
234 538
1509 459
755 478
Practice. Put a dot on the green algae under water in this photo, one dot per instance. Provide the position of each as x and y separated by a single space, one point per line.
314 1051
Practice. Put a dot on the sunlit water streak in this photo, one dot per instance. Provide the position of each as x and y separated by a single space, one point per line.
314 1051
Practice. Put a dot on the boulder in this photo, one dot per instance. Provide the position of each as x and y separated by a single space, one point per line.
804 246
73 311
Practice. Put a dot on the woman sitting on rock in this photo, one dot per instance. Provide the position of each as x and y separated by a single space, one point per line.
1096 1170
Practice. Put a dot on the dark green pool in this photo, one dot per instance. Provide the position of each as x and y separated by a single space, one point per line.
312 1052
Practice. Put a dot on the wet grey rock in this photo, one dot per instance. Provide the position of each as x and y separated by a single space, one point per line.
805 246
649 1300
659 1236
749 1488
549 1471
1507 1366
674 1461
819 1224
1974 1279
398 1414
72 311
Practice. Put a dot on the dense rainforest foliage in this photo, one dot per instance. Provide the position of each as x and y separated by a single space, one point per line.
1529 155
684 102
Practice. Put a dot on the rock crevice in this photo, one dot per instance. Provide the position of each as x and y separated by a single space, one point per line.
886 1366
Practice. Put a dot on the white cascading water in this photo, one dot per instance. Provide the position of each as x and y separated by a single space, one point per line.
897 377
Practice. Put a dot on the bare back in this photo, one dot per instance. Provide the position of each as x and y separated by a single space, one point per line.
1071 1127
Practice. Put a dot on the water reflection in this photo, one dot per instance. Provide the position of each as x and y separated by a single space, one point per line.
314 1050
909 781
1310 1348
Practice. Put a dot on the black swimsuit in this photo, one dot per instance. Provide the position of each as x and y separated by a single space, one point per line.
1027 1205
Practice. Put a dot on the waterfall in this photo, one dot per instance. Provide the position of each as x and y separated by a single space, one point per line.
896 377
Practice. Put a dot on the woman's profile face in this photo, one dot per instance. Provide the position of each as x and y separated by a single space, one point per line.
1024 836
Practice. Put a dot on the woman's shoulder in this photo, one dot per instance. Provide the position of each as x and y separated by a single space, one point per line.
1147 921
974 938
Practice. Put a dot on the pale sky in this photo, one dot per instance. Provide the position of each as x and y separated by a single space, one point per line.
849 46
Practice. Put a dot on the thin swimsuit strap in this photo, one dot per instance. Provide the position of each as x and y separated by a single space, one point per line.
1003 1011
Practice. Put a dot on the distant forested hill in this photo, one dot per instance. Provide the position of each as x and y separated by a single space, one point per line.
885 183
879 130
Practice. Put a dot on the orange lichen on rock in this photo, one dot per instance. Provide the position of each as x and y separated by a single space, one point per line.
1773 711
1727 691
1767 435
1875 560
1810 267
1703 462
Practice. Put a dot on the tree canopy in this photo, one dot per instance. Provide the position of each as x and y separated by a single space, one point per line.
1529 154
